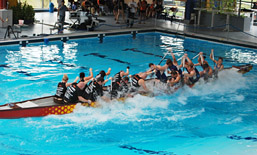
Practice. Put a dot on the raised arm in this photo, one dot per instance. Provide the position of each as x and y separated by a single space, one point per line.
77 78
188 59
109 71
182 61
162 68
126 73
90 76
212 56
173 57
201 58
75 81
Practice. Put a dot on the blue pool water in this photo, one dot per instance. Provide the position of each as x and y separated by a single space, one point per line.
214 118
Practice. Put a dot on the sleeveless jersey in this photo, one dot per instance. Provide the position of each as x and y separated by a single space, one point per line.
92 91
72 93
61 89
135 80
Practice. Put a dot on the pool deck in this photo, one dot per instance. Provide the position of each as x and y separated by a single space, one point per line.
39 31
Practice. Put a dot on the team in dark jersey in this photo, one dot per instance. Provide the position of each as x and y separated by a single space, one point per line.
90 89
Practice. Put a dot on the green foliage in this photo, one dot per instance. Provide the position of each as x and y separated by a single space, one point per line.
23 11
228 5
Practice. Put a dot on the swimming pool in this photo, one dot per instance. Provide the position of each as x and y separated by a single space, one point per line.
212 118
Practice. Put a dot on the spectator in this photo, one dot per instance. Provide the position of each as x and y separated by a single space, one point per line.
121 8
61 15
132 9
86 6
143 7
151 9
255 5
59 2
159 9
115 8
110 6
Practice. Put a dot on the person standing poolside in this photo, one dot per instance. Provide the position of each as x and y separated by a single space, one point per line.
132 9
142 7
115 8
158 9
121 8
61 88
151 10
59 2
61 15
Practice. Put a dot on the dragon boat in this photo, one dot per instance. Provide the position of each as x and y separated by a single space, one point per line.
45 106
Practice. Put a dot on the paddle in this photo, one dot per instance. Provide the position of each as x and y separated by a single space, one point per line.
201 57
163 58
151 75
183 63
212 54
195 56
180 58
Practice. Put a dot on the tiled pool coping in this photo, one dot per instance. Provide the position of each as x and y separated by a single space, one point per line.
64 37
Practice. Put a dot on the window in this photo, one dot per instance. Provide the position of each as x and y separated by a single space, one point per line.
42 4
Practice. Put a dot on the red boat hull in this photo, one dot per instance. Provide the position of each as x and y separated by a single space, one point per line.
37 112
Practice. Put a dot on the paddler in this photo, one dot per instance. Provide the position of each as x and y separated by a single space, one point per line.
61 88
159 72
95 90
120 89
173 65
175 80
83 78
138 80
74 93
207 71
192 75
218 64
118 82
102 74
118 76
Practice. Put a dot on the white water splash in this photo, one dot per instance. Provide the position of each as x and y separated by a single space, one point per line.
181 115
225 86
132 110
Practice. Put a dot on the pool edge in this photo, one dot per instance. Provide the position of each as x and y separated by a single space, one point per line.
64 37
